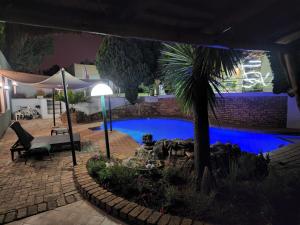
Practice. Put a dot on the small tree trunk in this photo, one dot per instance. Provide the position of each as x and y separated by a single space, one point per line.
201 135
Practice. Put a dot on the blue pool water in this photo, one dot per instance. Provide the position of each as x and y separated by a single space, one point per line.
249 141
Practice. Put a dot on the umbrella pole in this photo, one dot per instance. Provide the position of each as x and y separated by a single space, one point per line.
53 106
69 118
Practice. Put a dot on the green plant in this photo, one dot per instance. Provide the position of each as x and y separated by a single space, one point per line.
119 178
73 97
173 196
94 166
174 176
195 73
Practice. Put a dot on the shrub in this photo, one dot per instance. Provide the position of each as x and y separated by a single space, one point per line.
120 179
281 189
174 176
94 166
173 196
253 166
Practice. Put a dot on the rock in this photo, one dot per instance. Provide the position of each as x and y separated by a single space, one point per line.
148 139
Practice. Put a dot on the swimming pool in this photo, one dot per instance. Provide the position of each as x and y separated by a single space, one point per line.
162 128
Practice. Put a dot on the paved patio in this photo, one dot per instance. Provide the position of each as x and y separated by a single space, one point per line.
42 185
78 213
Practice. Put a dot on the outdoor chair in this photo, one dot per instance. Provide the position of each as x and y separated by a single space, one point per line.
27 144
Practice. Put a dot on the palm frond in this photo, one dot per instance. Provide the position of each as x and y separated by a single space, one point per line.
187 68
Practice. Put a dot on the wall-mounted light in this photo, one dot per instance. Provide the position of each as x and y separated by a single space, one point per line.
14 83
6 87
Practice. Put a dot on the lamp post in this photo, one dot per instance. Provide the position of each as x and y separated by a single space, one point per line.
102 90
68 116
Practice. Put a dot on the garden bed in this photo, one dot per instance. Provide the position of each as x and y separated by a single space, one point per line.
242 191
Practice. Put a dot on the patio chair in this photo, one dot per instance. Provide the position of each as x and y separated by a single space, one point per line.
27 143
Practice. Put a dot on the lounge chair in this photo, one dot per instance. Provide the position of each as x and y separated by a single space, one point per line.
27 144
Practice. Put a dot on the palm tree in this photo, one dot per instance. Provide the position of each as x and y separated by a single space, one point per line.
195 74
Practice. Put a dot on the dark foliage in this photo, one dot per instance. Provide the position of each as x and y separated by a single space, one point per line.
128 63
52 70
280 80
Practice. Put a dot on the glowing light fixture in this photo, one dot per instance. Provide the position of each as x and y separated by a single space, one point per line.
102 90
6 87
14 83
254 61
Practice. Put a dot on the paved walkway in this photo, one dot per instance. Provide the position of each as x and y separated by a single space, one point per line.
287 157
42 185
78 213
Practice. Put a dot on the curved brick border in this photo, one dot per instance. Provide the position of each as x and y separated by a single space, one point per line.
120 207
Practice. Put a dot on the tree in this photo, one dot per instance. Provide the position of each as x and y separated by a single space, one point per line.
195 73
25 47
52 70
2 35
280 80
28 53
128 63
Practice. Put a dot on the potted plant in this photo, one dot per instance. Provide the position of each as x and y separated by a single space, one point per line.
74 98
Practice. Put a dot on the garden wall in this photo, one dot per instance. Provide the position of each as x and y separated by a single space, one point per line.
4 121
246 110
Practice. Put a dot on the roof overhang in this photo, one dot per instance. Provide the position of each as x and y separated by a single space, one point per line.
255 24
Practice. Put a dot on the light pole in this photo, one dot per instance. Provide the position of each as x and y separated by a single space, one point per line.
68 116
102 90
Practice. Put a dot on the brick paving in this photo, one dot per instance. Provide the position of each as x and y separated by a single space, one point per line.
44 184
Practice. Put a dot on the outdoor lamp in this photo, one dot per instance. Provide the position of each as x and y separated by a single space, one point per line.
15 84
102 90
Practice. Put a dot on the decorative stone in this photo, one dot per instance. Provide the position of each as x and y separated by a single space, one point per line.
70 199
134 213
104 201
109 205
9 217
42 207
186 221
164 220
1 219
61 202
119 206
153 218
22 213
124 211
52 204
198 223
32 210
175 220
141 219
95 195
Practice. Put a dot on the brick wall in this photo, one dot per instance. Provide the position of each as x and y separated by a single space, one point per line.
252 110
